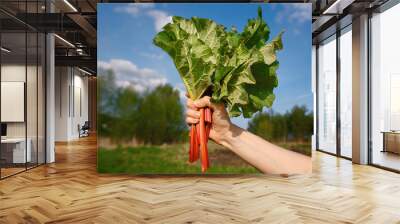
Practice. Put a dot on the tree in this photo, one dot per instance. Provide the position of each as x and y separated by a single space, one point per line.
300 123
160 116
126 114
262 125
155 117
296 124
280 127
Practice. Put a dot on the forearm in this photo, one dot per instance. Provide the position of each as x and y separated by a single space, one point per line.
265 156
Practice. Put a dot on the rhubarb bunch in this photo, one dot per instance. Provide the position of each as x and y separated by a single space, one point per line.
235 68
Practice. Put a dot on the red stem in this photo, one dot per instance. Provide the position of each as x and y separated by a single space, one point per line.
196 150
202 140
192 137
199 134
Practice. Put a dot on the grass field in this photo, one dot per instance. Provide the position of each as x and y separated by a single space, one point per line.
173 159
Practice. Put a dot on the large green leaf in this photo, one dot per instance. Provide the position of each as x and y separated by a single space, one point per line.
256 32
193 45
237 69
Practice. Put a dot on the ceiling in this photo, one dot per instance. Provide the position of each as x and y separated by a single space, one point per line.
330 15
75 21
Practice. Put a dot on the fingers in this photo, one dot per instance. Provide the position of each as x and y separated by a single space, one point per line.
190 120
204 102
190 104
193 114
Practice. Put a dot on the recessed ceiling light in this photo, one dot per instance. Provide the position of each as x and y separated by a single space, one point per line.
70 5
337 7
64 40
5 50
84 71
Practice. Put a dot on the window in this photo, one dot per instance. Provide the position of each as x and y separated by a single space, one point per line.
385 89
22 87
346 92
327 95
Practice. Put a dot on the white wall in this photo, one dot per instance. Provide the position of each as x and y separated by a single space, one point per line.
16 72
71 87
33 126
62 81
13 100
80 94
12 73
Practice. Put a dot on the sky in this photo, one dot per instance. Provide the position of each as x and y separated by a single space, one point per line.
126 30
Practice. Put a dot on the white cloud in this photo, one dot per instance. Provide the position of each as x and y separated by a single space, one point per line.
295 13
296 31
151 55
160 18
103 65
134 8
182 90
130 75
302 13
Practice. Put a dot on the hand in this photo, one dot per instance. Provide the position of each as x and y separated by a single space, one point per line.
265 156
221 123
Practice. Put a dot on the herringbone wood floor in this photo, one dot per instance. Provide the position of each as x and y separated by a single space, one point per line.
70 191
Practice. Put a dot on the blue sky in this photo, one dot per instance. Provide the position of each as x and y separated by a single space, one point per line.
125 33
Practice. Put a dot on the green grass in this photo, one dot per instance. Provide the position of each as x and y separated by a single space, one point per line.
303 148
173 159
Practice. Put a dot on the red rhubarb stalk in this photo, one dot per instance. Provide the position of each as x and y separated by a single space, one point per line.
203 141
192 138
199 134
196 142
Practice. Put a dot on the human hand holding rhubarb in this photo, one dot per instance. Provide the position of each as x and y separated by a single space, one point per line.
221 122
265 156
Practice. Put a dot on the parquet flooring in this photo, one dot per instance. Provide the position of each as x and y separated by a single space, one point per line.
71 191
11 170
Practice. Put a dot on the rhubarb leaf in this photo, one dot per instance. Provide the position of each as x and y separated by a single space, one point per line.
237 69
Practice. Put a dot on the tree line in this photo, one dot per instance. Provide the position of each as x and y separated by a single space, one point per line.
154 117
157 116
294 125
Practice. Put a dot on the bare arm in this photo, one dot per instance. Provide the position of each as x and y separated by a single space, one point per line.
265 156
